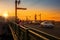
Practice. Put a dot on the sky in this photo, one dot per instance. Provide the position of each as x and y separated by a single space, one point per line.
49 9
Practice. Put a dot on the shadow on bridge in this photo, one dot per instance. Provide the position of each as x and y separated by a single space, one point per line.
7 35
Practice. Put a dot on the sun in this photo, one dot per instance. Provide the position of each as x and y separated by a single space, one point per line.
5 14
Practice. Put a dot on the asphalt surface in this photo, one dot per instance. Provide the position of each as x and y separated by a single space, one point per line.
54 31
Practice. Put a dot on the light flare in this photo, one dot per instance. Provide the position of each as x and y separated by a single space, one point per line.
5 14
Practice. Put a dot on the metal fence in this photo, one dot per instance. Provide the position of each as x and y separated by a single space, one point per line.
24 33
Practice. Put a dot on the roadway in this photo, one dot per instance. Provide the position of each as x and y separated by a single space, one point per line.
55 31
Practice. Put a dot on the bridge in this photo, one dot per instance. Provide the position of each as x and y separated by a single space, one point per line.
21 32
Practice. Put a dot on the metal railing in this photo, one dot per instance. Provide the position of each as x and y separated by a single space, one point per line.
25 33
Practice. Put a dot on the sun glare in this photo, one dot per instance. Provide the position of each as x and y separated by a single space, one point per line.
5 15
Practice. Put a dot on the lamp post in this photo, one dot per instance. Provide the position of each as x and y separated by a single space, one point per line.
40 17
35 17
16 8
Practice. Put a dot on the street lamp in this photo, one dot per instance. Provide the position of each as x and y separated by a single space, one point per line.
17 2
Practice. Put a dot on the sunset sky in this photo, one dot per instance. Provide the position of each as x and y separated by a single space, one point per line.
49 9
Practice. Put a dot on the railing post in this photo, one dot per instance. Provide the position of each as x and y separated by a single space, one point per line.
26 34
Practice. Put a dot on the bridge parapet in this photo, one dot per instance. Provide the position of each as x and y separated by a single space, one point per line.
25 33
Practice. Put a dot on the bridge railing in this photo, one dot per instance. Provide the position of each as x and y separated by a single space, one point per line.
20 32
25 33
